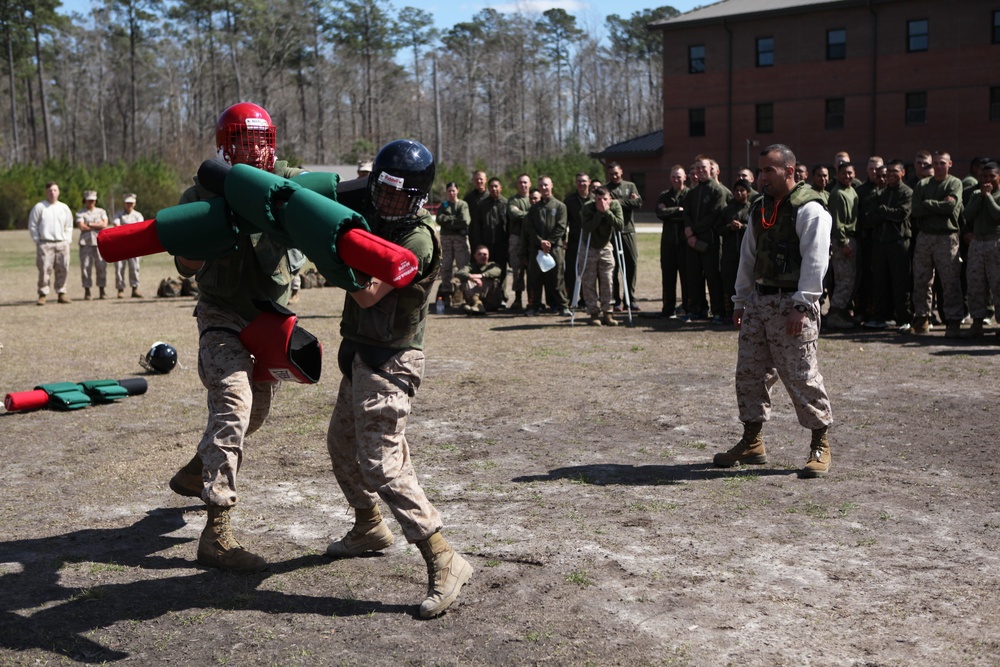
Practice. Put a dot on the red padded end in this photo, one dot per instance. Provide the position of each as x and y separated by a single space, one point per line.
376 257
26 400
127 241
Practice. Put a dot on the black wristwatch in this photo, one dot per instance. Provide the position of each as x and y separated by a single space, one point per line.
802 309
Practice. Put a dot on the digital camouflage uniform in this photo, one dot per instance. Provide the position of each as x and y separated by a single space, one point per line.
843 205
488 292
598 228
780 267
383 354
91 261
983 215
123 218
627 194
257 269
517 213
454 223
938 223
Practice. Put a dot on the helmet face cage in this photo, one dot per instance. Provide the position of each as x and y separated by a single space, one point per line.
391 199
246 135
401 178
161 358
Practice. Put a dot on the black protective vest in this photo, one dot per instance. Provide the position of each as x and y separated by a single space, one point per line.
779 259
397 321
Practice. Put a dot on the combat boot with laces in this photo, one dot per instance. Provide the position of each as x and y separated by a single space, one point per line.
368 534
748 451
447 572
820 459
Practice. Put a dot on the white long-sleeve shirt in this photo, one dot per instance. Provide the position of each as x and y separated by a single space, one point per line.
812 224
50 222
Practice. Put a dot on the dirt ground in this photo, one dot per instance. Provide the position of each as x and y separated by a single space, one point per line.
572 467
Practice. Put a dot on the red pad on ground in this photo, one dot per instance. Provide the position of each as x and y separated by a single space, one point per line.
26 400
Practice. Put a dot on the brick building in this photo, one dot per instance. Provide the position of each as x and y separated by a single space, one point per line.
885 77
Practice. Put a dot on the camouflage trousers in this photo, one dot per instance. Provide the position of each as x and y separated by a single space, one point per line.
52 257
454 249
368 447
767 353
237 406
845 271
488 292
937 252
91 262
133 273
597 279
983 275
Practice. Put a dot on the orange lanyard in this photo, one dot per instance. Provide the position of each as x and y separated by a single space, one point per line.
766 221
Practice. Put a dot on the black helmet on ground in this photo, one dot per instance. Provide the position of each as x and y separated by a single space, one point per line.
401 179
161 358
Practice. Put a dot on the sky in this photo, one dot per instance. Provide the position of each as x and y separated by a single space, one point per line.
449 12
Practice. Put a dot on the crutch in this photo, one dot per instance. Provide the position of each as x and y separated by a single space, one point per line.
579 276
620 250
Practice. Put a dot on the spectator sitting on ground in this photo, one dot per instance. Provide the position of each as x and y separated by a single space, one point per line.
480 281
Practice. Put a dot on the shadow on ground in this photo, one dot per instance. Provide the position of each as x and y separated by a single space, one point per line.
38 611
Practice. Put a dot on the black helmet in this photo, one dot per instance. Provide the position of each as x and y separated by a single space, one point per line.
401 178
161 358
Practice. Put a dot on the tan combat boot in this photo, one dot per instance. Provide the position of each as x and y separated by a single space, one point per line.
921 325
121 294
819 461
219 548
86 294
748 451
953 329
595 320
447 572
136 294
477 305
64 298
41 300
368 534
187 480
294 297
608 320
103 293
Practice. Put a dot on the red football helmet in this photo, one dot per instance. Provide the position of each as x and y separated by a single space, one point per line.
246 135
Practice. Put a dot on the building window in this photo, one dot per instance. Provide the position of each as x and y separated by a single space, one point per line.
696 59
765 51
916 108
918 35
835 113
836 44
696 122
996 27
995 103
765 118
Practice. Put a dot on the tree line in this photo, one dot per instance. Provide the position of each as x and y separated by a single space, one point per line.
146 79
